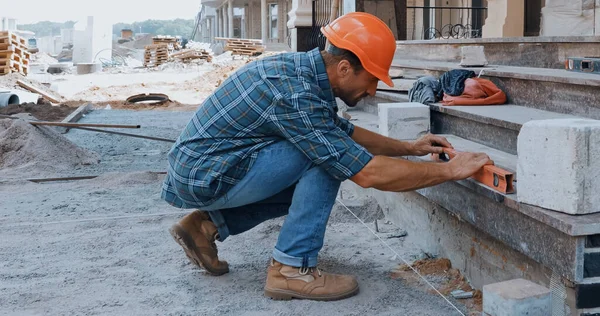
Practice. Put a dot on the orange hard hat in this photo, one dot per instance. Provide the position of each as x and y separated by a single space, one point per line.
368 37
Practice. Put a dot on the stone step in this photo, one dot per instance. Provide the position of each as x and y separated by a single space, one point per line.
496 126
369 104
552 90
542 52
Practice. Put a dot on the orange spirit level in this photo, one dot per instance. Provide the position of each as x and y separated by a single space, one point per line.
490 175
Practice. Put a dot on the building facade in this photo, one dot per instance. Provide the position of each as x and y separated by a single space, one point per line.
296 23
249 19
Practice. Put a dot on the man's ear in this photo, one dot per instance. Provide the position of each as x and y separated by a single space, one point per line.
344 68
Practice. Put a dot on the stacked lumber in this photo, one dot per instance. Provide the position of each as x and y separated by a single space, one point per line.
156 55
191 54
247 47
170 41
14 57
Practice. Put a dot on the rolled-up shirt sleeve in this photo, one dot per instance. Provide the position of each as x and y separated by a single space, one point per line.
310 124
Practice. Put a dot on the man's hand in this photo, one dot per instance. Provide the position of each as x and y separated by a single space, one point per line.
429 144
465 164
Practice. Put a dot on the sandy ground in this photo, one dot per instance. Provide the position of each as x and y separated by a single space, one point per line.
101 246
186 83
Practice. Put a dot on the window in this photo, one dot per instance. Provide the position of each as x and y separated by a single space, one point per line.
273 22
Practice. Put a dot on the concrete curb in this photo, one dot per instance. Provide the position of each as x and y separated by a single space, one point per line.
76 116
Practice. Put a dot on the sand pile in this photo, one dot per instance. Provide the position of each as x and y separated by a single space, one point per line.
28 150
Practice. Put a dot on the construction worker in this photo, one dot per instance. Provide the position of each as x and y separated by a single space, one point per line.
268 143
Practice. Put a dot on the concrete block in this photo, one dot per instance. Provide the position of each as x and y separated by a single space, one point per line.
559 165
403 120
516 297
473 56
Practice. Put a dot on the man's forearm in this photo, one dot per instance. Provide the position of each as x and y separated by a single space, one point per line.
378 144
400 175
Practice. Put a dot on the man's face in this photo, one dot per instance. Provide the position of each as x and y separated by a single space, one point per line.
354 85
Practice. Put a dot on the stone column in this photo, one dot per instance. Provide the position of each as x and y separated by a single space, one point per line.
223 22
300 23
217 25
263 21
264 25
506 18
230 17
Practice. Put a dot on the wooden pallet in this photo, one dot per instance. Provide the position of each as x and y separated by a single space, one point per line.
156 55
171 42
246 47
191 54
14 57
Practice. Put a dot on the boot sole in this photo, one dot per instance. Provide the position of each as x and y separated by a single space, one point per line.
283 295
187 243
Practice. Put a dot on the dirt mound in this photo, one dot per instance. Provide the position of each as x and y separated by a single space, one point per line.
44 112
29 150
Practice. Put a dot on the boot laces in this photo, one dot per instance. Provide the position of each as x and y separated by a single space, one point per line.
305 271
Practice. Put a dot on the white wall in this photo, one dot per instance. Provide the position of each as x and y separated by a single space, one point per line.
92 40
570 17
8 24
67 35
50 44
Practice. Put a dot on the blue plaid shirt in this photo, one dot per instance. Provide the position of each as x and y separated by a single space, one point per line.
283 97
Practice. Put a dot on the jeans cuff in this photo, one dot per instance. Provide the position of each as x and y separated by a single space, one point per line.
219 221
293 261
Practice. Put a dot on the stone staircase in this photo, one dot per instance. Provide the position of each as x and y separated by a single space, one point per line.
490 236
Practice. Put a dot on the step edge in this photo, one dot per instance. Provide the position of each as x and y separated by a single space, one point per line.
496 71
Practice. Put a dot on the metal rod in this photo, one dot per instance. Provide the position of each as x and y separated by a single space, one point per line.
61 179
127 134
82 126
77 178
73 125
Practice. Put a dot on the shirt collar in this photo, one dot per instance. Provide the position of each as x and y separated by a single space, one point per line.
318 65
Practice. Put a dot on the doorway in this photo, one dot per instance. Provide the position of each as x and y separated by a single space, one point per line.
533 14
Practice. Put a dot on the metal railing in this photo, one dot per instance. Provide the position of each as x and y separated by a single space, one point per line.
428 22
321 11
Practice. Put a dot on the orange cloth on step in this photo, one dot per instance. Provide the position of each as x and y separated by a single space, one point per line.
477 91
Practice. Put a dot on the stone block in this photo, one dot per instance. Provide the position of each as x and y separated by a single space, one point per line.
403 120
516 297
559 165
473 56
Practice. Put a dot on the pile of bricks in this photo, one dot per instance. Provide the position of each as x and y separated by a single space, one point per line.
247 47
191 54
156 55
14 57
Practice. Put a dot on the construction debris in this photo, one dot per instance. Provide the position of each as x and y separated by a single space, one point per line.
31 88
14 54
246 47
156 55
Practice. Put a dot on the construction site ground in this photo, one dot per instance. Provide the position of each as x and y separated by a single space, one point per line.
101 245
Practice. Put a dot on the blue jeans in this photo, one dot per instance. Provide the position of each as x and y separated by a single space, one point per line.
282 181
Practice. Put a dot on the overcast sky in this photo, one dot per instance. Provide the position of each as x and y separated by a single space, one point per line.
31 11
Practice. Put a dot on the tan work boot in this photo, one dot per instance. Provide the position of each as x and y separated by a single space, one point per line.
196 233
286 282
